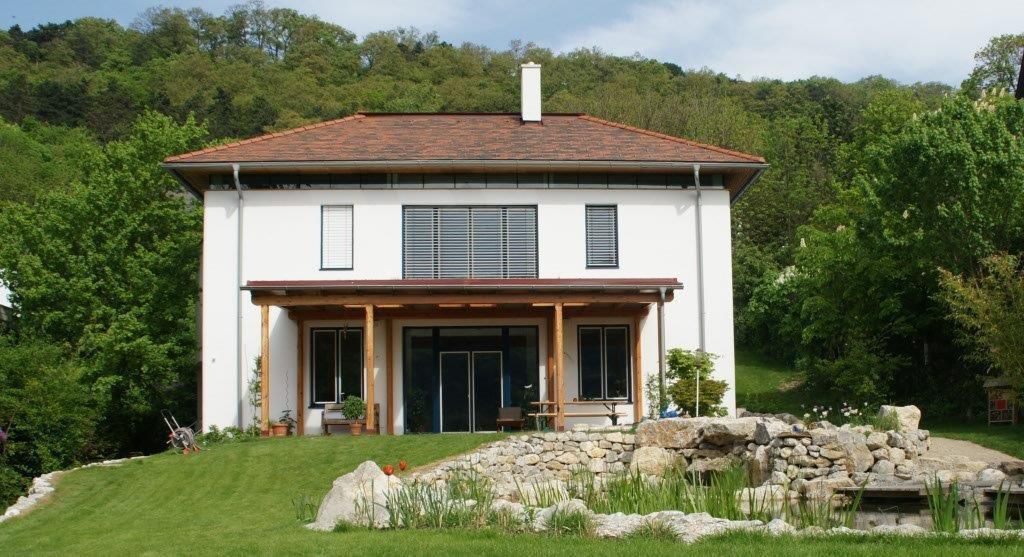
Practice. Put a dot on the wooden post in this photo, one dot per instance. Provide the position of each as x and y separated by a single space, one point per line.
550 375
390 364
368 363
265 368
638 374
560 368
300 380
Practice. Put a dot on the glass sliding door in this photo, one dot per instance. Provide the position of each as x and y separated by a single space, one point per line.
486 390
337 364
455 391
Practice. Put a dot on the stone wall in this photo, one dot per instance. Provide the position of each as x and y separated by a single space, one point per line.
812 459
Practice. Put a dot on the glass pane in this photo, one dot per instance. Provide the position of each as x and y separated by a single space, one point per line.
351 341
522 368
616 346
325 353
486 390
419 383
454 391
590 362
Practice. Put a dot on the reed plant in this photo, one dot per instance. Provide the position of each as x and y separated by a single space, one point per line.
948 514
570 522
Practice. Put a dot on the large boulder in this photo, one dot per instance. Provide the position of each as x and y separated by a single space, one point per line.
357 497
651 460
671 433
729 431
909 417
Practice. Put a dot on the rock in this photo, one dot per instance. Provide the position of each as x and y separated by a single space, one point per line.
858 458
1012 467
693 527
884 468
899 530
349 495
670 433
897 456
832 454
617 525
568 458
766 430
763 498
531 459
651 460
991 476
877 440
711 465
778 527
727 431
909 416
759 465
822 489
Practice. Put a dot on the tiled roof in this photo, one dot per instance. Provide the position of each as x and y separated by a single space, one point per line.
469 137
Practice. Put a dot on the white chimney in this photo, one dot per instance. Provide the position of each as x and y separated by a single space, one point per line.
531 92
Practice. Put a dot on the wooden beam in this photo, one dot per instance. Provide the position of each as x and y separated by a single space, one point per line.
638 374
286 300
451 305
550 371
265 368
390 365
483 305
560 366
368 363
468 312
300 379
543 305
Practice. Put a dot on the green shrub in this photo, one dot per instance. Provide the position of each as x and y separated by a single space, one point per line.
684 366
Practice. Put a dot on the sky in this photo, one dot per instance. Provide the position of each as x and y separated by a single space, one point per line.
907 40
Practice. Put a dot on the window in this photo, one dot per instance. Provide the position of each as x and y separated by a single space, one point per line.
604 362
602 236
469 242
336 237
337 366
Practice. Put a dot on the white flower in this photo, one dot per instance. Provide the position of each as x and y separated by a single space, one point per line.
824 414
807 415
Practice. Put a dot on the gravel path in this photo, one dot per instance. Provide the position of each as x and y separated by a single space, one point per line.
942 447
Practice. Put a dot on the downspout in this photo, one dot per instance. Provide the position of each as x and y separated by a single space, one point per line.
239 303
701 344
661 350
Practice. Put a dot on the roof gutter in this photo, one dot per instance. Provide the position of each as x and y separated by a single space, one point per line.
464 287
455 164
239 303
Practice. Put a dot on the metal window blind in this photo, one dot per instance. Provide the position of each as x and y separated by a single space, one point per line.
336 237
469 242
602 236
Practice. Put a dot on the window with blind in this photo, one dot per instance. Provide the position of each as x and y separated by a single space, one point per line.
336 237
604 362
602 236
469 242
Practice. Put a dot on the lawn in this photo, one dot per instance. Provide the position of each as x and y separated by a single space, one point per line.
237 499
763 385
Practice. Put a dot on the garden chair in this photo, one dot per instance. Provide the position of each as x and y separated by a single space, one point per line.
510 416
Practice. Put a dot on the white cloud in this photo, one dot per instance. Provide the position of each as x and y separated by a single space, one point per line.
366 17
911 40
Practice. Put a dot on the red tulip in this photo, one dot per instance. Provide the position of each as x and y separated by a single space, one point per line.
388 469
402 465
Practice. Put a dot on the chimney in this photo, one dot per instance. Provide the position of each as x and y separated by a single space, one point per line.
531 92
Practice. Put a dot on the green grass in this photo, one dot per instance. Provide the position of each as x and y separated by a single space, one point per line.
237 499
1000 437
766 386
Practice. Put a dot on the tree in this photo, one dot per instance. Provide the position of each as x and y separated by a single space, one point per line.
997 65
109 268
684 368
989 308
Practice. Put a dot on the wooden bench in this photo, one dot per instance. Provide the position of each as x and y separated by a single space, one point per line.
547 408
331 409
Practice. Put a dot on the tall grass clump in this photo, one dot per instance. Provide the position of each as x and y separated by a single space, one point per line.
1001 510
570 522
655 530
948 515
306 507
824 513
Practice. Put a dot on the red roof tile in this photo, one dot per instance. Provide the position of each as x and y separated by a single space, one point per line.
383 137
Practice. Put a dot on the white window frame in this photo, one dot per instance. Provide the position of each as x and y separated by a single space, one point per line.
326 265
589 238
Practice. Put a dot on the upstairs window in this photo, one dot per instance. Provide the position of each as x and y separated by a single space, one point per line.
602 236
336 237
604 362
469 242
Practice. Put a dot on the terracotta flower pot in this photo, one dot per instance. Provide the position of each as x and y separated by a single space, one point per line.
279 430
357 428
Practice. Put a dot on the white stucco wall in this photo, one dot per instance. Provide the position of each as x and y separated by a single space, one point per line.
281 231
5 296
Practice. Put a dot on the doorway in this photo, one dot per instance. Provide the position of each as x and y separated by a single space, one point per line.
470 390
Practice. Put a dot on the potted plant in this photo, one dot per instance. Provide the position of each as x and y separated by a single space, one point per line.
278 429
353 409
288 421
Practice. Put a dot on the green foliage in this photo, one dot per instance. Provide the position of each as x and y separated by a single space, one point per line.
997 65
990 311
684 368
570 522
353 408
48 413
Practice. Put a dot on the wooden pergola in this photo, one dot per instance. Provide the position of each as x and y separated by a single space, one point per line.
554 300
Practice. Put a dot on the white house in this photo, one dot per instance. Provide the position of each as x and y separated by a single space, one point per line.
6 313
442 266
